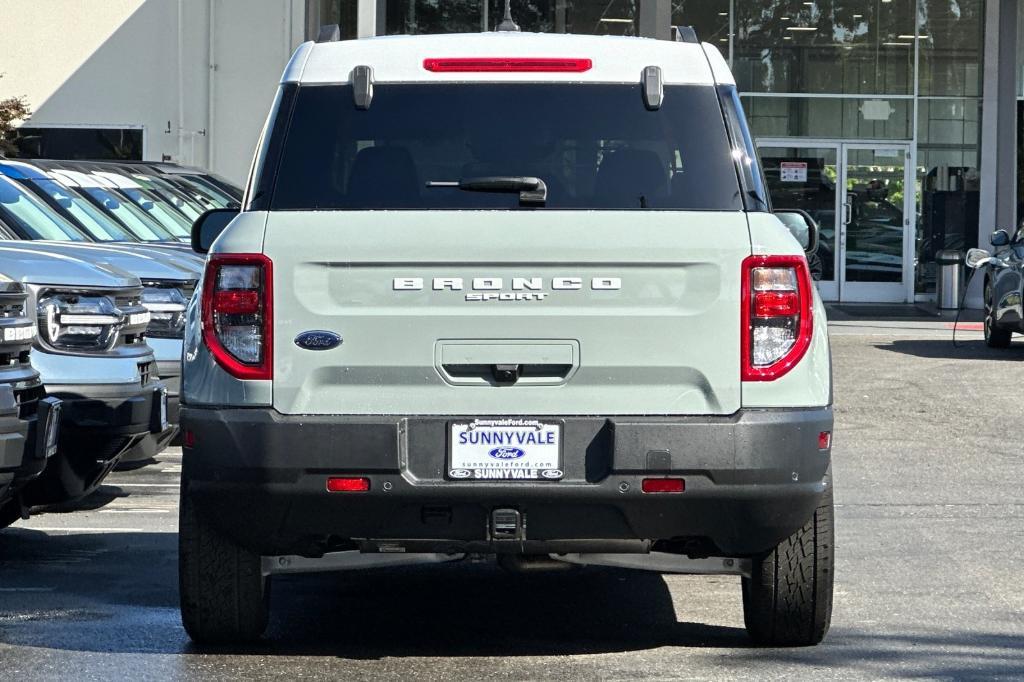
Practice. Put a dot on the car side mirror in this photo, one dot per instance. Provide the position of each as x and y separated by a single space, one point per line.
977 258
208 227
802 226
1000 238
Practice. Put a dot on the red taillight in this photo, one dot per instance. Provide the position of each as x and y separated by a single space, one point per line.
506 64
776 303
237 309
339 484
188 439
663 485
824 440
776 321
236 302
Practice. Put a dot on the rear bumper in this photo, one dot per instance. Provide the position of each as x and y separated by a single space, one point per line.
752 479
99 424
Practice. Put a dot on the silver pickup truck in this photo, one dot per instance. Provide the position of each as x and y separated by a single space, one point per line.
92 354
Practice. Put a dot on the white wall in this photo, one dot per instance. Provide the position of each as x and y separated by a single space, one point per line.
148 63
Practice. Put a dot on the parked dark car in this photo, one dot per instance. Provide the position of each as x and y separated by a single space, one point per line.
1003 270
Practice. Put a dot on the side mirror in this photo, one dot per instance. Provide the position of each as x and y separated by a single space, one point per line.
1000 238
977 258
208 227
802 227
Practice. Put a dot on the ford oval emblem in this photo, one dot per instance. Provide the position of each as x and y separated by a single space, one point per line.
552 473
460 473
318 340
506 452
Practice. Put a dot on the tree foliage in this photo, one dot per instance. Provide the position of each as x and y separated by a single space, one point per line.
12 110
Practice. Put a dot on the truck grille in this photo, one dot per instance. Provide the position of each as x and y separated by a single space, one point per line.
146 372
28 400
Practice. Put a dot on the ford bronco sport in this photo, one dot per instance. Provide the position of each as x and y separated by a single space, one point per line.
511 295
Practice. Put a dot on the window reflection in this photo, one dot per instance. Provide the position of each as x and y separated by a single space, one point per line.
865 46
596 17
951 53
709 18
830 117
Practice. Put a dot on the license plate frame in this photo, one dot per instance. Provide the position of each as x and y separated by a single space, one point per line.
501 467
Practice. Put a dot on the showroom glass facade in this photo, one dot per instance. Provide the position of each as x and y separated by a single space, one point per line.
883 96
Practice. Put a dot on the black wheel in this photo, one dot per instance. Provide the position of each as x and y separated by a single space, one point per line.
787 601
225 598
995 336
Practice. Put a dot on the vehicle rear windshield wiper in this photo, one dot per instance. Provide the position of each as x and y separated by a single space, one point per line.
532 191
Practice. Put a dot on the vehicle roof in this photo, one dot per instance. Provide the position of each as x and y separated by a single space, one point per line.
19 170
616 59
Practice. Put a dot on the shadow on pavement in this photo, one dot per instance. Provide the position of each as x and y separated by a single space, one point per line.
947 654
98 499
116 593
944 349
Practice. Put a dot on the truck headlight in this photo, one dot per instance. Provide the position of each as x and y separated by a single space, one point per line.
74 322
166 305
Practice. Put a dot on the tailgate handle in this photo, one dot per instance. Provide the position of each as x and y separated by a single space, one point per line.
505 374
507 363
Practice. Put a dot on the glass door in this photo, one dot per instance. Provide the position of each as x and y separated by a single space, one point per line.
807 177
857 194
877 210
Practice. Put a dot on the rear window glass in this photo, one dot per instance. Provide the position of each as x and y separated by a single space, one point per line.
594 146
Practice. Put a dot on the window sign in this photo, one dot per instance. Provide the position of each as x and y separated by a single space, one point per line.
793 171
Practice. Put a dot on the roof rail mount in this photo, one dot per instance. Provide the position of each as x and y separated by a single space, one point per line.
507 23
362 86
684 34
329 33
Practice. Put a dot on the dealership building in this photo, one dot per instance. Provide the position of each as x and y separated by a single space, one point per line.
893 122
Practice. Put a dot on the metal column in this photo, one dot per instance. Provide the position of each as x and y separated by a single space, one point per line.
656 19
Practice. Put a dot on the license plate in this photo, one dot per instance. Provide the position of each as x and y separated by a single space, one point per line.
505 450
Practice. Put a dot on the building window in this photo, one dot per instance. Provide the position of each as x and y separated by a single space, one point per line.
595 17
709 18
830 117
859 47
326 12
78 143
950 35
948 181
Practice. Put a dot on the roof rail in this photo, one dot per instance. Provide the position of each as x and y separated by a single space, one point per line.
329 33
684 34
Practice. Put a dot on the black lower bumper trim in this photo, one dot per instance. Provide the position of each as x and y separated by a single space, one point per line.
751 479
99 424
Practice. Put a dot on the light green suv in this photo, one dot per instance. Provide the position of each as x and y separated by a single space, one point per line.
506 295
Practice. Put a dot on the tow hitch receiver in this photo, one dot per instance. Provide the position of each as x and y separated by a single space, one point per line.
507 524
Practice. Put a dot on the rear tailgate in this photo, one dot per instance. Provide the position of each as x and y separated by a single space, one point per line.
633 312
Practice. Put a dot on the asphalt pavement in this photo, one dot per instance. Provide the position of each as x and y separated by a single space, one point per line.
930 560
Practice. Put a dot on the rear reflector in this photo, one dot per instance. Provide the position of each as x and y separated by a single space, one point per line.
189 439
824 440
663 485
506 64
347 485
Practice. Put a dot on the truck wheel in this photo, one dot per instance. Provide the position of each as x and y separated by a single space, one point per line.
787 601
225 598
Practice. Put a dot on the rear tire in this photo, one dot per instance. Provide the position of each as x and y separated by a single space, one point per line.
995 337
787 601
225 598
